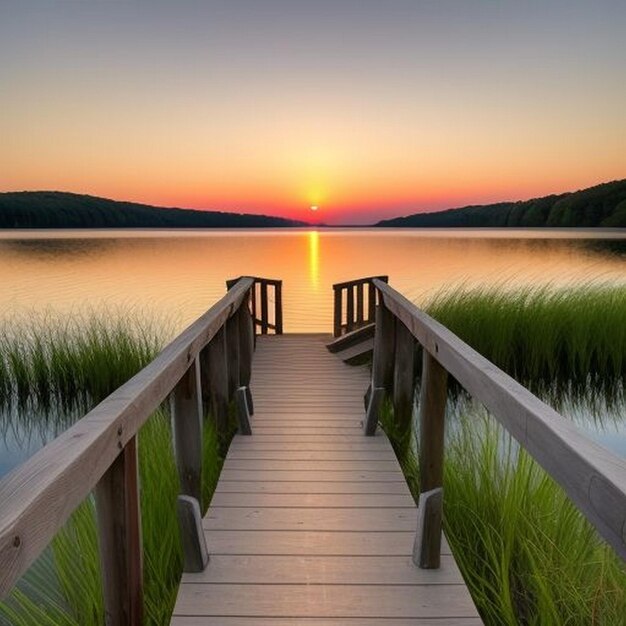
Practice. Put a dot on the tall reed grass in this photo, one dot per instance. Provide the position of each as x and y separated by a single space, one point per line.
85 360
567 342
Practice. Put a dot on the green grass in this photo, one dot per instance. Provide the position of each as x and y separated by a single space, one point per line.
527 554
565 342
86 359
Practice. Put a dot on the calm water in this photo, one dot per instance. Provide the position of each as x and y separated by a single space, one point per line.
178 275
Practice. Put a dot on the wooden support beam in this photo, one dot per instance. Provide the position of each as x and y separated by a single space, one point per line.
187 428
403 379
243 414
246 350
432 409
119 532
195 553
232 353
337 312
218 379
372 416
371 302
278 307
427 546
350 308
264 308
384 349
359 304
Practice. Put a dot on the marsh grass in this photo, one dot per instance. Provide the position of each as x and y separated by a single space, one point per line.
526 553
564 343
85 359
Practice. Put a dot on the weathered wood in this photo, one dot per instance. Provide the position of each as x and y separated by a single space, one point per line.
264 308
359 304
187 429
371 302
432 411
377 396
403 380
218 379
278 307
337 312
232 353
427 546
384 349
352 338
591 475
119 532
195 553
243 414
246 350
349 308
39 496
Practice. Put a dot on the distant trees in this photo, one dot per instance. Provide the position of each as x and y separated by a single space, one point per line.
53 209
603 205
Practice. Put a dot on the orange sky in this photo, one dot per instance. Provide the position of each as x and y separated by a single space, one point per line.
363 110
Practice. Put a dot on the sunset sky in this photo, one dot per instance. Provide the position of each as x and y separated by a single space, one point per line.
365 108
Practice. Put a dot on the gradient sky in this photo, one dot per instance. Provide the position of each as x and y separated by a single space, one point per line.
366 108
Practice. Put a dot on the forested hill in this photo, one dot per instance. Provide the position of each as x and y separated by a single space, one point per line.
54 209
603 206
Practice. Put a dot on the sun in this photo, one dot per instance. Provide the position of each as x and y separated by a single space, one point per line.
314 207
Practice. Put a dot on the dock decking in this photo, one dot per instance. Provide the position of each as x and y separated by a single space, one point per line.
313 523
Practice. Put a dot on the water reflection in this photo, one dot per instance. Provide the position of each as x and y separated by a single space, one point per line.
314 259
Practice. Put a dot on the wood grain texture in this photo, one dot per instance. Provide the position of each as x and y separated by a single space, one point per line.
310 520
593 477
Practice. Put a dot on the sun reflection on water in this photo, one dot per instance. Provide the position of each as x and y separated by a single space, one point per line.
314 258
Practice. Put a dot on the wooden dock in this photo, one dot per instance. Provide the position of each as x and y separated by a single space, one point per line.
311 522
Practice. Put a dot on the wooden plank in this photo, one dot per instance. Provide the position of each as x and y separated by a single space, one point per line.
591 475
311 475
403 381
326 601
119 539
322 519
313 543
350 308
291 465
377 454
188 620
323 570
232 353
359 304
312 487
39 496
195 554
311 500
278 306
264 307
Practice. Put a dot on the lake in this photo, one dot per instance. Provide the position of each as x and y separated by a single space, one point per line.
174 276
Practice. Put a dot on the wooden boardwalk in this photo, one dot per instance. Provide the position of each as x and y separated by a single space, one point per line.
313 523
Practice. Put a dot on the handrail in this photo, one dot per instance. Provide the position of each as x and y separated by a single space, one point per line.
593 477
99 452
359 313
259 299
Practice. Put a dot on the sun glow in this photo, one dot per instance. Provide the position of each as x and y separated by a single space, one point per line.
314 258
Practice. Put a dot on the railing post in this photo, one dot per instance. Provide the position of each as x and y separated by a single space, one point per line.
264 308
337 312
371 302
403 379
432 407
350 308
359 305
218 379
187 426
278 307
119 529
232 352
246 349
382 366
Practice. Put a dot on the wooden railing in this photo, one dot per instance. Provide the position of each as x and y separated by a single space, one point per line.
593 477
261 304
210 361
360 304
